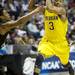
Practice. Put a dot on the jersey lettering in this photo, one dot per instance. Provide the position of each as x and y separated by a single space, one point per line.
51 26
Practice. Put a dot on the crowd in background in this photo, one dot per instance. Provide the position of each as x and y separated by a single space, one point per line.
25 39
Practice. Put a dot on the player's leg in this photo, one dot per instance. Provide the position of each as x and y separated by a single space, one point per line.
69 67
38 63
66 64
45 51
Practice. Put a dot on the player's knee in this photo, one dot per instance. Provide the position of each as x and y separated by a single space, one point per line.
67 65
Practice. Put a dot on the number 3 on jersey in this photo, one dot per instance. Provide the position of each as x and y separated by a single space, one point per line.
51 26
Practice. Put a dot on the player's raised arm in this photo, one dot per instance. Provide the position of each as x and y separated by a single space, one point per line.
58 9
21 21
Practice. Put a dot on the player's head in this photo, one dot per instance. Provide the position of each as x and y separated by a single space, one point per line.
58 2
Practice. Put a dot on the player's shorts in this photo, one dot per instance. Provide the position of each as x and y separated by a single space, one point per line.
48 49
